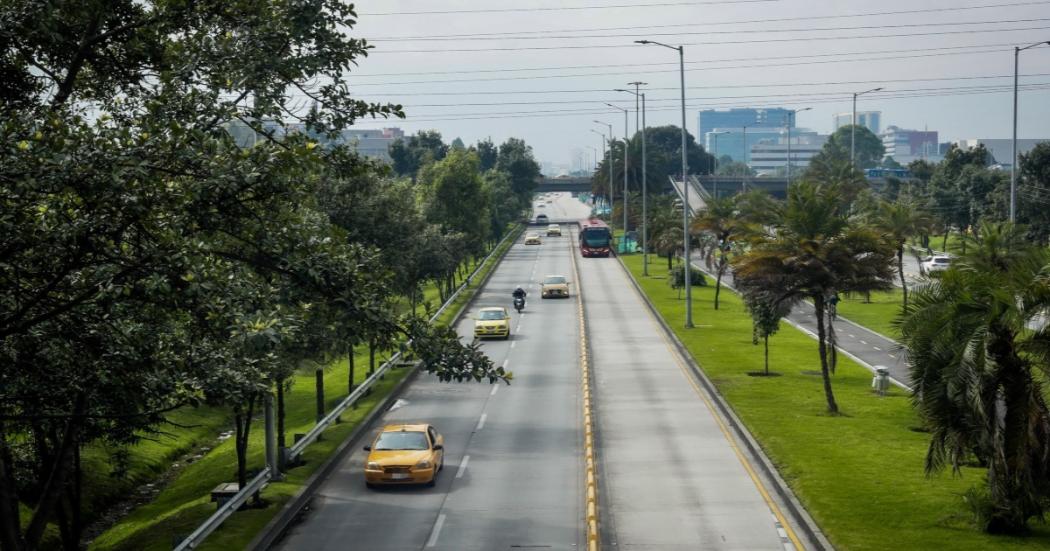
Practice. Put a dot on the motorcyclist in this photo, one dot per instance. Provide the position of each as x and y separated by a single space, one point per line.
519 293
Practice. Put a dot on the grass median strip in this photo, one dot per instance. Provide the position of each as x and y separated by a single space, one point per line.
185 503
860 475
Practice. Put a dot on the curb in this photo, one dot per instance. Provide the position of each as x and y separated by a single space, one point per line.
293 510
814 536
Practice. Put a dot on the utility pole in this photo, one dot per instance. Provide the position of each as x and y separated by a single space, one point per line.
626 129
853 126
1013 165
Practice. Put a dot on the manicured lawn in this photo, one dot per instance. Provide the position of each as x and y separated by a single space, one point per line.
184 504
878 315
860 474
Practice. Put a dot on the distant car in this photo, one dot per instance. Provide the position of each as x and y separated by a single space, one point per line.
405 454
532 238
541 218
493 321
554 229
936 264
554 286
540 205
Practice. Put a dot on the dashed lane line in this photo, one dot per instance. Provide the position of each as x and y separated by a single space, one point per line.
481 422
462 466
436 531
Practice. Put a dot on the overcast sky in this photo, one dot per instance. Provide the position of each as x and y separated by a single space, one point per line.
738 53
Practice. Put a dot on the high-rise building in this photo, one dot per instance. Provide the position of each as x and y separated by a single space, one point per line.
872 120
710 119
906 146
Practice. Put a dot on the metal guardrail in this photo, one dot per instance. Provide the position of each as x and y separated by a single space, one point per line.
259 482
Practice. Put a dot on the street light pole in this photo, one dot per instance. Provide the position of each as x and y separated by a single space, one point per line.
747 166
853 125
685 188
610 168
645 182
1013 165
791 114
625 155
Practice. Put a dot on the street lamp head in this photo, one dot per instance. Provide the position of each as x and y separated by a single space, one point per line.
620 90
642 42
804 109
877 89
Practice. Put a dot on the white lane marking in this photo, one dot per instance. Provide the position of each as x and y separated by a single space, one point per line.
481 422
462 466
850 335
514 342
399 404
892 356
505 362
875 347
863 342
436 531
495 388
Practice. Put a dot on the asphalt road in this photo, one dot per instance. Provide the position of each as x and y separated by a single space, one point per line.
513 467
672 477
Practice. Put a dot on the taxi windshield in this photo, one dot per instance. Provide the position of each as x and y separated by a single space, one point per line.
402 440
554 280
491 315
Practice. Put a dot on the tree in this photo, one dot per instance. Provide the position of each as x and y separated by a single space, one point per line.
515 158
977 370
765 320
922 169
722 220
868 146
815 253
488 154
663 157
963 189
733 168
890 162
1033 192
417 151
454 198
897 222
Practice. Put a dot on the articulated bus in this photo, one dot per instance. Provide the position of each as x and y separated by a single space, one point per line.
595 238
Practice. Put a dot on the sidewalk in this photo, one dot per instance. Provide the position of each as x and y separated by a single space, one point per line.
866 347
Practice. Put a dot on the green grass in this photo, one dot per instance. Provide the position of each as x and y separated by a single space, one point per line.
184 504
860 475
878 315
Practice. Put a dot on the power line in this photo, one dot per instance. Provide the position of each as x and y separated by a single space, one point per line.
705 43
569 8
716 87
618 65
730 22
733 32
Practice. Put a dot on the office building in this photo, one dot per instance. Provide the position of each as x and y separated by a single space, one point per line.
710 119
872 120
906 146
730 141
770 157
1002 149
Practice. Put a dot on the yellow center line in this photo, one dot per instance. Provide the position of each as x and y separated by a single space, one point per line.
725 430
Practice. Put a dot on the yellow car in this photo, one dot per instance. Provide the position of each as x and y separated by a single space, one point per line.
532 238
553 229
405 454
555 286
493 321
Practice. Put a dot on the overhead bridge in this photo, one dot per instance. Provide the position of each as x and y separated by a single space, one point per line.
576 184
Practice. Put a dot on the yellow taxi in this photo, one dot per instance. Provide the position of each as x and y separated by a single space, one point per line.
554 229
554 286
493 321
532 238
405 454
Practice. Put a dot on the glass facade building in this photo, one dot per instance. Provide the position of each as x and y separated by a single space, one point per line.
728 124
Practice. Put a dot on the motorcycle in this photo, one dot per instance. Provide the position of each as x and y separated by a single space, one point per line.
519 304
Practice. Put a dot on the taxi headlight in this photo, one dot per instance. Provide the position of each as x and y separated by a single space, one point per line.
373 466
424 464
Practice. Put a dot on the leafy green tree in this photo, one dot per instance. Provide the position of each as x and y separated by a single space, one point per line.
868 146
721 219
729 167
516 160
765 320
663 157
416 152
454 197
921 169
897 222
488 154
1033 192
815 253
978 372
890 162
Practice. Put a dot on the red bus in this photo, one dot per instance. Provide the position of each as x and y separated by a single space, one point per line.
595 238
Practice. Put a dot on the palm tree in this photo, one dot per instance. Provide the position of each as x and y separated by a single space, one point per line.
897 222
815 253
977 369
667 241
728 218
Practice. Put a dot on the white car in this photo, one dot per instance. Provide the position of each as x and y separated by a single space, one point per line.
936 264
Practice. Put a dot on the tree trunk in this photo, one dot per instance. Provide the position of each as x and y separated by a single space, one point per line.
242 423
51 492
319 392
10 520
281 442
766 339
670 259
718 280
818 302
900 272
350 366
944 244
371 356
